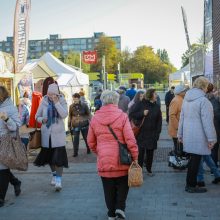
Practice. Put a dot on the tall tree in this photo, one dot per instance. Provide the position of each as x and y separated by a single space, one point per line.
186 55
163 54
106 46
125 58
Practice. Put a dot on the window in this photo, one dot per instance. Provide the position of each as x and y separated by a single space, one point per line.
89 46
83 41
89 40
58 47
0 44
38 49
8 49
7 44
44 48
51 47
83 47
51 42
96 40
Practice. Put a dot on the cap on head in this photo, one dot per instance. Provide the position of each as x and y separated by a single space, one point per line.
53 88
179 89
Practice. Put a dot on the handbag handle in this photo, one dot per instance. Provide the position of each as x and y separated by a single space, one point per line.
113 133
142 122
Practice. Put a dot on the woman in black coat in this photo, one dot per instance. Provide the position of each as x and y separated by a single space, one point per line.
151 128
216 109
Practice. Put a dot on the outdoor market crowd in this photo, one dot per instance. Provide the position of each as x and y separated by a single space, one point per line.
193 117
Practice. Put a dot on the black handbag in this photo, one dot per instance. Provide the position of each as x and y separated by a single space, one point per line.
124 154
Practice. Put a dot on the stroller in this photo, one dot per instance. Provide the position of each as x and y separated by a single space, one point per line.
177 158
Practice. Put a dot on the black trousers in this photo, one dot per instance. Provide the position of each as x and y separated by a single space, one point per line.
167 114
76 135
13 180
116 191
215 153
193 168
4 181
147 157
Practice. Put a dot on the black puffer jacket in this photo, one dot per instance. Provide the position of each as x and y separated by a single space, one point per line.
150 131
216 110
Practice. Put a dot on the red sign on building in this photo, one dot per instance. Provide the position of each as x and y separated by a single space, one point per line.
90 57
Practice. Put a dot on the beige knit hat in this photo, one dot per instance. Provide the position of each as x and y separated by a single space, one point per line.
53 88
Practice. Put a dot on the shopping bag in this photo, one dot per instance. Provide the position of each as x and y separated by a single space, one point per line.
13 153
135 175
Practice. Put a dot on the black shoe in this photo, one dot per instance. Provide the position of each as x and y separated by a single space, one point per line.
75 155
195 189
1 202
88 151
201 184
17 188
216 180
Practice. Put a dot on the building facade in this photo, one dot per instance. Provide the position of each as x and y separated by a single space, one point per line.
216 40
55 43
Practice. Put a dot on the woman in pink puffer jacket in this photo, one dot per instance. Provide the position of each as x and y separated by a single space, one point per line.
100 140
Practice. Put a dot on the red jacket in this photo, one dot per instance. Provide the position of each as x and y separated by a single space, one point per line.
102 142
36 100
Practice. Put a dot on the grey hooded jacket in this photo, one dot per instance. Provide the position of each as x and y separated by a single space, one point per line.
13 122
196 125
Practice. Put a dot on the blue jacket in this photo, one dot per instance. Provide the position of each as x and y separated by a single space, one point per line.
131 93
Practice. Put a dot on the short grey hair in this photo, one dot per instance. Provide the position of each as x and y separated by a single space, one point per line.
109 97
201 83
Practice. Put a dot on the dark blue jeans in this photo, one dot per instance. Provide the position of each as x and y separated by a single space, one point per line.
76 134
211 164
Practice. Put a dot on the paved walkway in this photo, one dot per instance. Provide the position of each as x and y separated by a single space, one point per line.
161 197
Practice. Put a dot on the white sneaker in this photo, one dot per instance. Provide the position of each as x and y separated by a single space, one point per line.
58 185
53 181
111 218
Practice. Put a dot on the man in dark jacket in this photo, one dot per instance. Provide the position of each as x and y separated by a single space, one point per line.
78 121
123 100
168 98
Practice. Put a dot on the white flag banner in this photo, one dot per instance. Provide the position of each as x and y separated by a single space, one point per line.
21 33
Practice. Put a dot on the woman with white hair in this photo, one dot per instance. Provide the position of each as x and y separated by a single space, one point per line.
196 130
102 142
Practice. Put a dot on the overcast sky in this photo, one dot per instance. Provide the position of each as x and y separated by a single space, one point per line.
157 23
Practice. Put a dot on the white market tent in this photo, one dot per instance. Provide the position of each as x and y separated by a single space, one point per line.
49 65
70 80
180 77
6 75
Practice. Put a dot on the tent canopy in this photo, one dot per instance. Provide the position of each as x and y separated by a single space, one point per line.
181 76
48 65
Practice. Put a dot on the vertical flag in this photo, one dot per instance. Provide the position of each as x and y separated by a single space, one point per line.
186 27
21 33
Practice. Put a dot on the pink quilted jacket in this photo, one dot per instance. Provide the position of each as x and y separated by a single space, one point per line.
102 142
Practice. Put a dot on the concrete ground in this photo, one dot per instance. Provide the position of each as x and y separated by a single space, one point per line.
161 197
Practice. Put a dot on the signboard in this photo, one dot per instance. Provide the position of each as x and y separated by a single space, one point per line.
21 33
209 66
90 57
197 63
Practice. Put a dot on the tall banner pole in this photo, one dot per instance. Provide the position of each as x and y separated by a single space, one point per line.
186 27
80 61
21 33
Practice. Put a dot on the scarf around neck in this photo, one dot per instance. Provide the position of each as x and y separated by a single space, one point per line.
52 114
